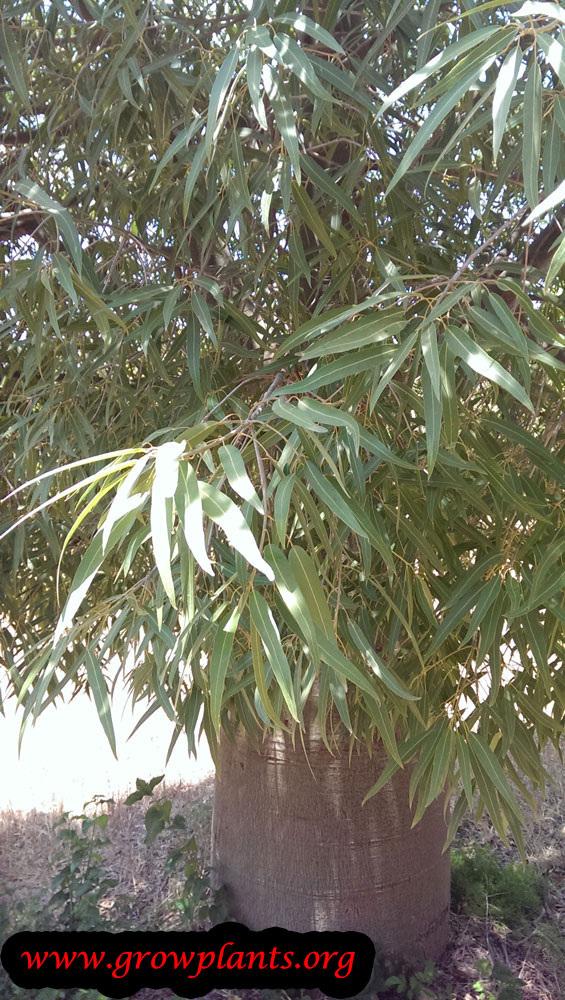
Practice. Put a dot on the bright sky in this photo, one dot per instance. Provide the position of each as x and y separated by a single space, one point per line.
66 757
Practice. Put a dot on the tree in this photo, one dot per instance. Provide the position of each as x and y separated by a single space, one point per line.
282 370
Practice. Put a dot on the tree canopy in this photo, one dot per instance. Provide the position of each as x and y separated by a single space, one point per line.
282 370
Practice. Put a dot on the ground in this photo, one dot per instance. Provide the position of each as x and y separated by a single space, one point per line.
535 955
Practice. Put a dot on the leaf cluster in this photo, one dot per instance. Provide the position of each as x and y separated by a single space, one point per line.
282 369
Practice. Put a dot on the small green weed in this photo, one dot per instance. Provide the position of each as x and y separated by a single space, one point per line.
497 982
81 884
511 894
413 985
198 902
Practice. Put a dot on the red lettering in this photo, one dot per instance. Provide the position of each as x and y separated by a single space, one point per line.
203 955
181 960
235 960
221 955
252 955
317 959
36 960
327 955
273 953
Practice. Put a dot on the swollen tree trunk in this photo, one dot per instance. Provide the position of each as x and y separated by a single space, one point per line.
295 848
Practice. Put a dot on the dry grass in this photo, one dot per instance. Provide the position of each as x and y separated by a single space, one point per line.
27 845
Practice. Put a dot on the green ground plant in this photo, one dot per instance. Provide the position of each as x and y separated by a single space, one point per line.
81 884
497 982
482 886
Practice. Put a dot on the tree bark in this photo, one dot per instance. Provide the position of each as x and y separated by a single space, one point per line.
295 848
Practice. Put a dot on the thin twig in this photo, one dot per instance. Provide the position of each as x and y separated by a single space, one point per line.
478 250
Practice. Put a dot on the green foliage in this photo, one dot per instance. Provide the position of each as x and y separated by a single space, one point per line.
199 901
413 985
80 882
497 982
281 360
80 885
481 885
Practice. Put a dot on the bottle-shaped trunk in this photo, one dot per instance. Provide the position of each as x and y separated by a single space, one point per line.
295 848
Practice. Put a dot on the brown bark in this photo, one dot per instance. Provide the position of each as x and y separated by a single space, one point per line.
298 850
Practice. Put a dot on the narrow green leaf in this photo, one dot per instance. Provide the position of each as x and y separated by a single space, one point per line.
284 116
189 506
486 597
63 221
192 177
292 56
431 357
163 490
383 672
544 569
326 183
121 501
304 570
451 620
254 66
321 324
202 312
344 82
532 133
490 764
265 625
219 664
333 416
161 528
311 217
336 371
234 468
432 416
464 766
88 568
451 52
506 319
505 85
14 67
329 495
549 203
224 512
429 24
554 52
539 8
260 679
440 767
385 730
218 93
557 261
301 22
331 654
97 685
439 113
455 820
282 505
477 359
63 273
240 173
193 352
291 594
369 330
394 365
300 418
180 142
